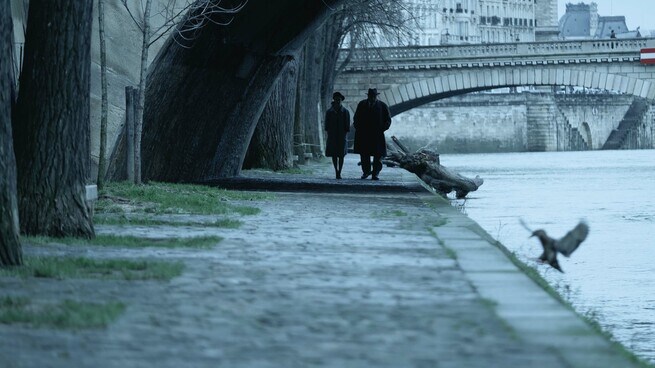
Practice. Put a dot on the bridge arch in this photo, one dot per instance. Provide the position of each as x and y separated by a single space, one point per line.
585 130
403 97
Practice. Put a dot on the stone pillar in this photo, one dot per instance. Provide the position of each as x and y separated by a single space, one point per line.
541 115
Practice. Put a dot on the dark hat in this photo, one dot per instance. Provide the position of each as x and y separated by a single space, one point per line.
372 92
338 95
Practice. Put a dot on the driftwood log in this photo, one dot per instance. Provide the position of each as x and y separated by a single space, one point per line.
425 164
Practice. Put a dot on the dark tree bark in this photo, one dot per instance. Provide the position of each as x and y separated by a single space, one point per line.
51 125
102 156
271 145
204 98
298 123
10 248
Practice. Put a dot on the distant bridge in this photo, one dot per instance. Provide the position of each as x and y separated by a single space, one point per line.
412 76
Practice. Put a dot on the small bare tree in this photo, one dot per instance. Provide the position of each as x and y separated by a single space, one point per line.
359 23
198 13
364 23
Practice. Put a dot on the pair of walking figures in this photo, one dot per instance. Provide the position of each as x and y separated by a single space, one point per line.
371 120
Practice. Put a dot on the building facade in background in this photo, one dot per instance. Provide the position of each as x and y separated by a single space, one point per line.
444 22
456 22
582 21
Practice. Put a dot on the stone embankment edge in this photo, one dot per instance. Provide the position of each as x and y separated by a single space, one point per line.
533 309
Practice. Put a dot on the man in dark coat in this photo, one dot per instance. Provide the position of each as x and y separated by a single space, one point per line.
372 119
337 125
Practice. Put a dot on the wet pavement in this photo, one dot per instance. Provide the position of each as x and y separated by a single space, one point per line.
331 273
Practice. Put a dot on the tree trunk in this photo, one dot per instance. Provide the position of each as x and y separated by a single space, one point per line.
204 97
427 166
131 111
51 129
299 143
121 161
311 97
271 145
138 122
333 35
102 157
10 248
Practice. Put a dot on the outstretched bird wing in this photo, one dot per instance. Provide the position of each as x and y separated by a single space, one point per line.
525 225
572 239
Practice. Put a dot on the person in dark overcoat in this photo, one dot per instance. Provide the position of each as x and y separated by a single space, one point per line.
337 125
371 120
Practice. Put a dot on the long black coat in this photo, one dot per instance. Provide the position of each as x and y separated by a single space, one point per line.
337 125
370 123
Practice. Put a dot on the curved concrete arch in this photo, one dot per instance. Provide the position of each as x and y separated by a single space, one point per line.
406 96
585 130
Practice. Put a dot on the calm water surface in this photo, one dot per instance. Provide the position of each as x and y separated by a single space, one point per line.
612 275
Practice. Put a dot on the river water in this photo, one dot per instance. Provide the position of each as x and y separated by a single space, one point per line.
611 277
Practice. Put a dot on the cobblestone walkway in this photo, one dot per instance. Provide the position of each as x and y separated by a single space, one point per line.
322 279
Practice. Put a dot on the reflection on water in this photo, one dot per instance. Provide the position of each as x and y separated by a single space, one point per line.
612 275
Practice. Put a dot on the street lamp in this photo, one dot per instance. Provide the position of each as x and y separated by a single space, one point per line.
445 37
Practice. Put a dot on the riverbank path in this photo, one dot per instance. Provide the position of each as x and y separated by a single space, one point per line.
331 273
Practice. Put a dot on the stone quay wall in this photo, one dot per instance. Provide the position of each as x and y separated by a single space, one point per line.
123 41
519 122
466 124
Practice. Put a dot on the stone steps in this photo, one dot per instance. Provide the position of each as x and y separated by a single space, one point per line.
633 117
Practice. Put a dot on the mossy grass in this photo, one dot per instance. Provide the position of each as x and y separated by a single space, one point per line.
68 314
103 219
86 268
165 198
297 171
292 170
126 241
440 221
389 213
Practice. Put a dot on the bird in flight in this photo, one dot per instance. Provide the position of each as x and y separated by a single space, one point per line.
566 245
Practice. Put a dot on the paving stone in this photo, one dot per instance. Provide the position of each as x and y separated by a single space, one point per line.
334 278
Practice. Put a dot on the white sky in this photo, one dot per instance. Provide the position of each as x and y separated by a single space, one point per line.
637 12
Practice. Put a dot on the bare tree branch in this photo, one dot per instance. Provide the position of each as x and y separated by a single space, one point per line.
129 11
203 12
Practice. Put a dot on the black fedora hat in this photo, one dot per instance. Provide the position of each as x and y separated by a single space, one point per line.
338 95
373 92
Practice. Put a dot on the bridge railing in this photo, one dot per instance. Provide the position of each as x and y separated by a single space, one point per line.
496 50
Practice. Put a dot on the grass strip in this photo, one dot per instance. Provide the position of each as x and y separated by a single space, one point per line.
160 198
87 268
68 314
126 241
149 221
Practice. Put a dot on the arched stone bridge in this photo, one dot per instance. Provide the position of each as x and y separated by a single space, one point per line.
408 77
